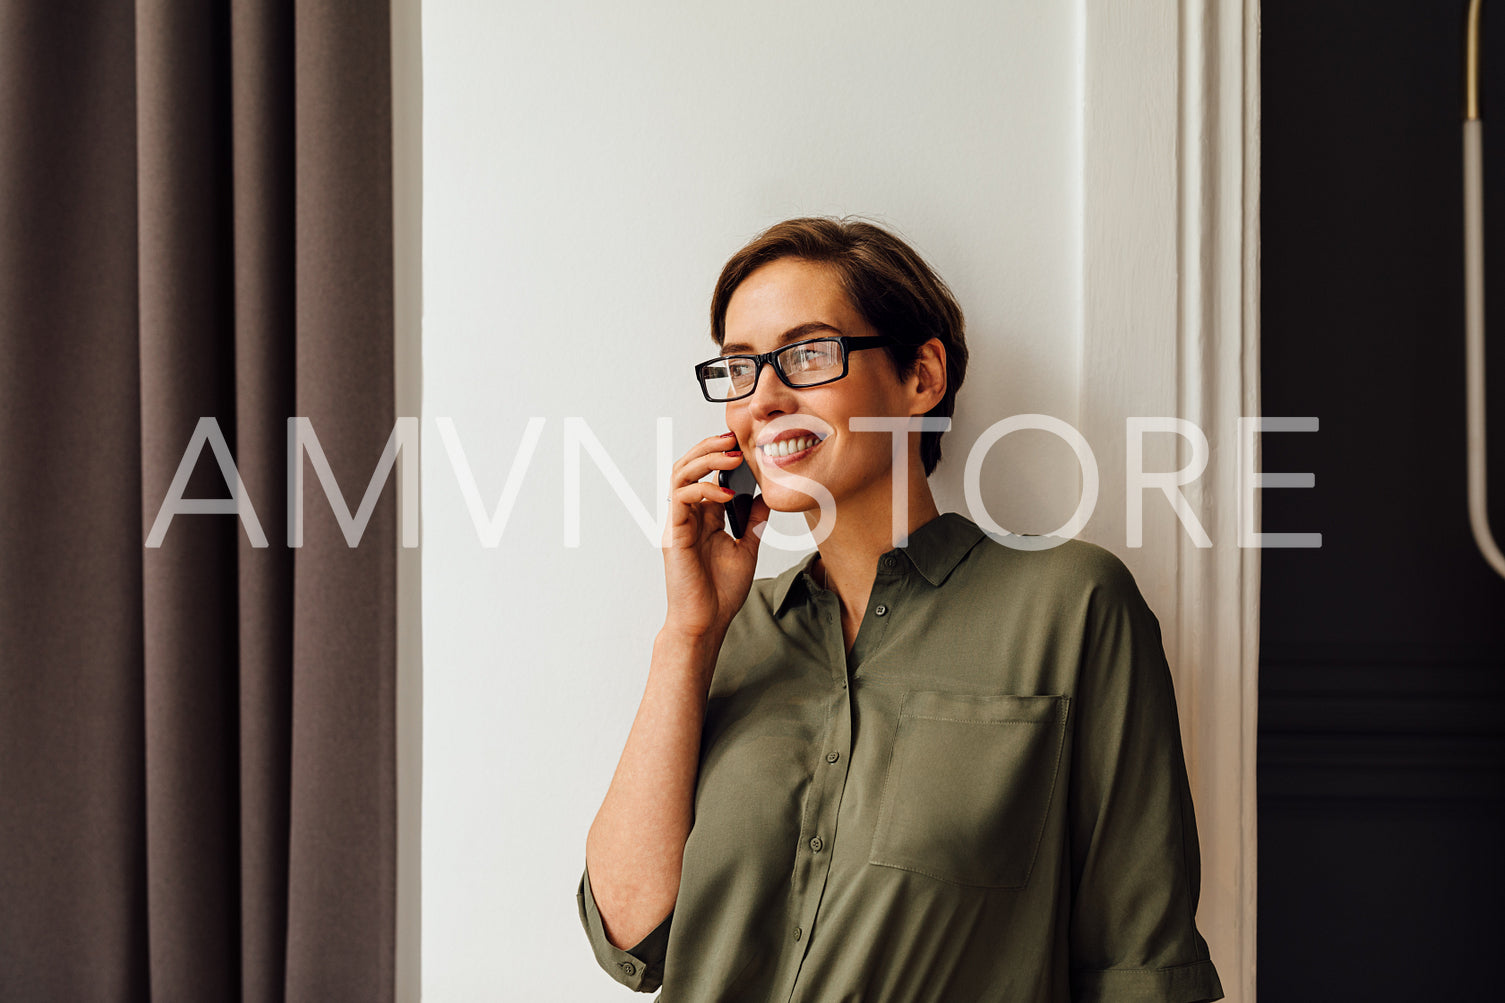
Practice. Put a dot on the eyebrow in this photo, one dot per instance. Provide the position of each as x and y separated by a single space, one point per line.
793 334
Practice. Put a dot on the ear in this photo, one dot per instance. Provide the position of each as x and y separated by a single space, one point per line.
928 381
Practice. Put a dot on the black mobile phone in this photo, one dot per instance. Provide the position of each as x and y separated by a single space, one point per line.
741 480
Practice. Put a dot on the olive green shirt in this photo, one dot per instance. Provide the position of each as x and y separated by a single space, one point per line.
985 800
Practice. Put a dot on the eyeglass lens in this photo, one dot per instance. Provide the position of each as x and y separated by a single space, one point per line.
805 364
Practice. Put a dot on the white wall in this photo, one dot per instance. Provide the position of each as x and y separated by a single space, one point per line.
587 168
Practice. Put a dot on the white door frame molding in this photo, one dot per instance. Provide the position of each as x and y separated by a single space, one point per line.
1170 326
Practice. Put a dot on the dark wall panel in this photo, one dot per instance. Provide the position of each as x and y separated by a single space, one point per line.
1382 666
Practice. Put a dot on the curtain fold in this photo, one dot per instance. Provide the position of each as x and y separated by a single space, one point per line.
197 741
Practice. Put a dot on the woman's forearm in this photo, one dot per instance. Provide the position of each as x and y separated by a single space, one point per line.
636 844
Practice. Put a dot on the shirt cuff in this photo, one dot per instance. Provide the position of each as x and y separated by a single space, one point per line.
641 968
1193 983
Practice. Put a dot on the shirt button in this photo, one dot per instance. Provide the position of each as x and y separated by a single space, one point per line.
888 562
882 610
797 933
628 968
816 844
832 757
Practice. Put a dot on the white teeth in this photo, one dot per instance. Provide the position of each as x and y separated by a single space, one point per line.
789 446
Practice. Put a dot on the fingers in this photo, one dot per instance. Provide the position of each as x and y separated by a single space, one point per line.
699 491
696 464
685 511
713 518
711 444
719 452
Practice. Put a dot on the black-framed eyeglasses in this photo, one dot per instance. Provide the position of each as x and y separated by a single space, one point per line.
799 364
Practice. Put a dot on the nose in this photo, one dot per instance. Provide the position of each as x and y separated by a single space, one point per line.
770 397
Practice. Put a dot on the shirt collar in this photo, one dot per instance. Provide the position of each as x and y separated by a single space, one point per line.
934 549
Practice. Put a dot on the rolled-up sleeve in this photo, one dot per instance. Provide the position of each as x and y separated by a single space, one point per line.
1136 866
642 967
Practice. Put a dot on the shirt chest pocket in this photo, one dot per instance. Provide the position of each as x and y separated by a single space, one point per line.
968 786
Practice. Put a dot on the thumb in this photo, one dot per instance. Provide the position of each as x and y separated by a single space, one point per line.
757 521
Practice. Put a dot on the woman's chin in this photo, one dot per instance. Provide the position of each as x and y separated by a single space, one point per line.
791 502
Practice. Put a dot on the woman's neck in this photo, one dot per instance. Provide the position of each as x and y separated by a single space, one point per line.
849 554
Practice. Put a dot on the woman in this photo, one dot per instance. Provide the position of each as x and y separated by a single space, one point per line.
947 769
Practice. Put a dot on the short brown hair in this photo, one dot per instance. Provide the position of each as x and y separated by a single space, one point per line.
889 284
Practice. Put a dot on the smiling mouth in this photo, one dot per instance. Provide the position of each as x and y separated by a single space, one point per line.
789 450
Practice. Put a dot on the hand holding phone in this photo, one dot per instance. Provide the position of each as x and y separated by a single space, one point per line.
708 573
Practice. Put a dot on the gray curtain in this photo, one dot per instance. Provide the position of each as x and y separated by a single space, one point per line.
197 767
